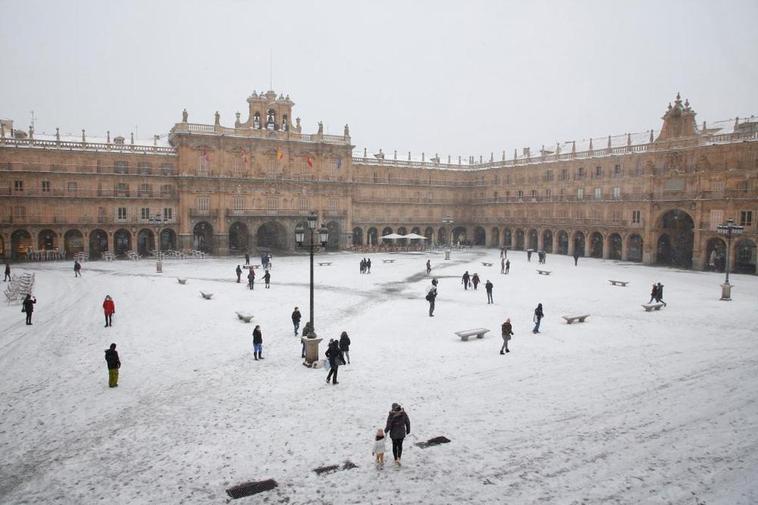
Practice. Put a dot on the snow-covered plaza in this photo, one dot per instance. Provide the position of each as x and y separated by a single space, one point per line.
629 407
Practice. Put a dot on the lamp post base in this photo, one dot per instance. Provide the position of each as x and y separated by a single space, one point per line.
447 254
726 292
311 349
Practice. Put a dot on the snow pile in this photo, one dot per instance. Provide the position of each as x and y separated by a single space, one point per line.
628 407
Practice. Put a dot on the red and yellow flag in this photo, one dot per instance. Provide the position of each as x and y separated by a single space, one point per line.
279 154
309 161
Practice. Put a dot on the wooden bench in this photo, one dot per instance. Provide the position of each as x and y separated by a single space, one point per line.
181 281
486 263
652 306
207 296
244 317
571 319
544 272
388 261
324 263
465 334
618 283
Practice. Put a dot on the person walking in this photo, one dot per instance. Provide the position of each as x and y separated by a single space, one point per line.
431 296
247 259
267 278
528 255
363 265
28 306
502 265
475 280
368 265
251 278
488 287
344 346
335 360
257 342
77 268
239 273
114 363
653 293
538 315
507 333
465 279
398 426
659 294
7 271
428 267
296 316
507 266
109 308
378 450
576 258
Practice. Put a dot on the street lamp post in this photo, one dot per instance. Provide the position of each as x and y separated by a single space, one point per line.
447 221
728 230
310 339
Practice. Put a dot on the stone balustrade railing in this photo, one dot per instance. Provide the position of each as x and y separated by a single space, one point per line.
86 146
190 128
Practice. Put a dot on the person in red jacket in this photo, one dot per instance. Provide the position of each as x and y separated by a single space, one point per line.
109 308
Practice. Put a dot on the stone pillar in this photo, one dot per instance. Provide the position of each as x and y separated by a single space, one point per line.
624 254
571 244
607 246
587 244
184 241
221 243
311 349
85 242
540 244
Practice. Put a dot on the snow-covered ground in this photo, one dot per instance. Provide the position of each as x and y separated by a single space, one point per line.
630 407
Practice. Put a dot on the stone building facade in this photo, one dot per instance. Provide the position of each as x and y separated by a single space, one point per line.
652 198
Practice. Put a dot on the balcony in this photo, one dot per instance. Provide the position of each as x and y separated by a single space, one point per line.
208 213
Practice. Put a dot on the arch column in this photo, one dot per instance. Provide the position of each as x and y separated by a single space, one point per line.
587 244
571 243
624 254
607 246
698 251
540 244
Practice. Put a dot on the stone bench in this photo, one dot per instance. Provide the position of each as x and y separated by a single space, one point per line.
207 296
652 306
618 283
571 319
544 272
486 263
244 317
465 334
324 263
181 281
388 261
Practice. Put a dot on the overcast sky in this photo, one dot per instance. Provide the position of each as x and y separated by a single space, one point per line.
465 77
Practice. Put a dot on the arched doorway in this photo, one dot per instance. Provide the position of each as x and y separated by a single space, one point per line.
429 234
507 238
202 237
416 230
459 235
563 242
272 235
372 236
402 231
634 248
98 244
675 242
122 242
579 243
73 242
495 237
357 235
519 240
715 255
333 240
615 246
596 245
145 242
387 231
480 237
239 238
168 239
533 240
547 241
21 243
46 240
442 236
745 256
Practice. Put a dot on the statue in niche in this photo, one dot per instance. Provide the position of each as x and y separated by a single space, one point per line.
320 128
184 116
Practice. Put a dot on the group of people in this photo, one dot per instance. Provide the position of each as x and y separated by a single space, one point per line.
366 265
338 354
472 280
251 277
398 425
505 265
657 294
541 255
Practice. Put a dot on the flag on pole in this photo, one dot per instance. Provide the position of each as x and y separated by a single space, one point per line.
279 154
309 161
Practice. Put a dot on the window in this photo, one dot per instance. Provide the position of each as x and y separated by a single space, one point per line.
304 204
101 214
122 189
167 169
144 168
717 218
45 186
121 167
121 213
332 204
144 213
746 218
520 194
548 175
617 170
238 203
580 173
19 212
598 193
564 174
548 193
534 194
168 214
598 172
580 194
167 190
636 217
18 185
616 215
145 189
203 203
617 193
272 203
717 186
71 187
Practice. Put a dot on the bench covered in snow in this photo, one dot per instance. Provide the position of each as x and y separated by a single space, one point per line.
571 319
244 317
652 306
324 263
618 283
544 272
465 334
486 263
388 261
207 296
181 281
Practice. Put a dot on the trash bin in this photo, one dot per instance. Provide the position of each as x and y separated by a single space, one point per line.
159 266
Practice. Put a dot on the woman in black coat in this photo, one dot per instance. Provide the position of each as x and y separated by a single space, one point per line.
28 307
345 346
398 426
335 360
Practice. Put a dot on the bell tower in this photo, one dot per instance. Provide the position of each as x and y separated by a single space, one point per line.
266 111
678 121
